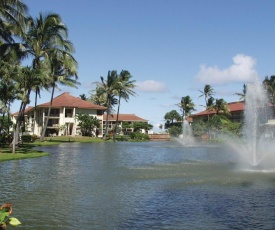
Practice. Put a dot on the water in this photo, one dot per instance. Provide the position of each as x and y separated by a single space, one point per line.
187 137
152 185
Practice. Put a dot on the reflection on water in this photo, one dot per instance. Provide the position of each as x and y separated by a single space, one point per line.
152 185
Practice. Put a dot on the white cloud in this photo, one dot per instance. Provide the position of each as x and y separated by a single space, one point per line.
242 69
151 86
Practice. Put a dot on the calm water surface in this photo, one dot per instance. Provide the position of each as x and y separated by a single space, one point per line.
152 185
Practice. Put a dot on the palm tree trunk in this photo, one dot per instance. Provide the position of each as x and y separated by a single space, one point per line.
18 124
118 107
47 119
34 117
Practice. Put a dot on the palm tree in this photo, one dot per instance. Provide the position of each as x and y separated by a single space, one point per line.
125 89
13 15
221 106
108 89
243 93
207 93
46 42
63 71
187 106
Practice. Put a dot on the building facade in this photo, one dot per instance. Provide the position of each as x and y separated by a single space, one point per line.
126 119
62 118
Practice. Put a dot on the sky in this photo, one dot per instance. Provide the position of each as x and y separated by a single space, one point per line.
172 48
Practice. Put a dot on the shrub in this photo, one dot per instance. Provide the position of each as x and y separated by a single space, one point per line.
26 138
139 136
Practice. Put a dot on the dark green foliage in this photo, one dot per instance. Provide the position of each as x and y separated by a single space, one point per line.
26 138
175 131
87 124
141 125
199 128
5 138
139 136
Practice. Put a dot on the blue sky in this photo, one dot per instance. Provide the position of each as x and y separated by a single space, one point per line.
171 47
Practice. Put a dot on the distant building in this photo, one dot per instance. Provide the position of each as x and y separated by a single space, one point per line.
62 119
236 110
127 119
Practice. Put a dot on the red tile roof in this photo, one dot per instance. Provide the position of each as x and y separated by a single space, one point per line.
233 107
67 100
124 117
26 110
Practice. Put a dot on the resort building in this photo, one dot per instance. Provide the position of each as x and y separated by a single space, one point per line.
236 110
124 122
62 119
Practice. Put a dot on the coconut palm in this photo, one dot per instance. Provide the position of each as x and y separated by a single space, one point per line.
243 93
63 71
13 15
108 89
221 106
125 90
47 44
187 106
207 93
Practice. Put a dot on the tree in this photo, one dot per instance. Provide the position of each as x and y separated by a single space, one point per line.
13 15
83 97
87 124
220 106
187 106
269 85
137 126
46 42
125 90
207 93
107 89
171 117
243 93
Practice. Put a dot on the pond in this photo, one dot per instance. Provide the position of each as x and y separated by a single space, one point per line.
150 185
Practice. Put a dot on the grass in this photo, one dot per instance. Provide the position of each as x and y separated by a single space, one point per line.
28 151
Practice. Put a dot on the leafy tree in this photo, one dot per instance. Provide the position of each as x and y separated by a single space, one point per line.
172 117
269 85
137 126
175 131
83 97
125 90
87 124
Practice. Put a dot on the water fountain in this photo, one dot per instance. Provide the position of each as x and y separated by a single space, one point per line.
255 146
187 137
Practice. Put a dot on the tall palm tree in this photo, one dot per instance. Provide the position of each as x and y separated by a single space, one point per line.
187 106
125 90
47 44
207 93
63 71
109 89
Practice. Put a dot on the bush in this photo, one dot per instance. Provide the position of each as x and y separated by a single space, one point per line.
26 138
175 131
139 136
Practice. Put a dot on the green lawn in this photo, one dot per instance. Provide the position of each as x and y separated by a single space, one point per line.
28 151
